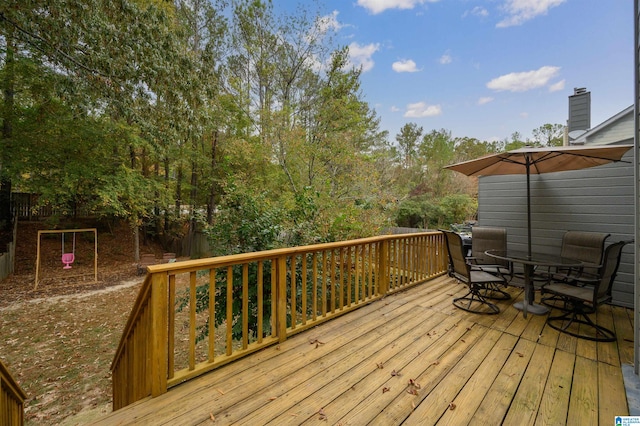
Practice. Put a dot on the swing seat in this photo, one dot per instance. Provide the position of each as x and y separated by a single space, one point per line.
67 259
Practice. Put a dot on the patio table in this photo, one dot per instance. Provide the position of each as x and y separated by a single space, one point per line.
529 262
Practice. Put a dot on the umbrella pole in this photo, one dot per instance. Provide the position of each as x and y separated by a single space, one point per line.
528 209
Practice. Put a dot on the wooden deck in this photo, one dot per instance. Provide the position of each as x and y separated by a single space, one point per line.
412 358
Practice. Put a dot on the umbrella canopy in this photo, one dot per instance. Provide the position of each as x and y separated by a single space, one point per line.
530 160
541 160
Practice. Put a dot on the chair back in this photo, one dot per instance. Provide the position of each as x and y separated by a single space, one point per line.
488 238
459 265
587 247
608 271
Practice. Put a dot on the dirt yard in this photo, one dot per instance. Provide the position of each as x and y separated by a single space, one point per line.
59 340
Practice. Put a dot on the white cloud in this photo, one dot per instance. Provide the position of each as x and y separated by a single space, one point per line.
378 6
445 59
523 81
361 56
556 87
476 11
520 11
485 100
524 115
404 66
395 109
422 109
327 23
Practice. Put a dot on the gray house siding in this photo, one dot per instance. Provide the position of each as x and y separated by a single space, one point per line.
599 199
620 130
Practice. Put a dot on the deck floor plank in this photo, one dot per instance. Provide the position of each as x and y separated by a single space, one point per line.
495 369
497 400
607 352
611 396
555 399
583 404
467 401
624 333
525 404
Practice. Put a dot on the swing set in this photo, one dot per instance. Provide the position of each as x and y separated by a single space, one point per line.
68 258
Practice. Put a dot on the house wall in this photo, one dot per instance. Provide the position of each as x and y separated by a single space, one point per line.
621 131
599 199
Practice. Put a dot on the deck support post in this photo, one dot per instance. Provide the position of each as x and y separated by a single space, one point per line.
159 334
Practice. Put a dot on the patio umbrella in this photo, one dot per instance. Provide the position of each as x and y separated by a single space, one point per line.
529 160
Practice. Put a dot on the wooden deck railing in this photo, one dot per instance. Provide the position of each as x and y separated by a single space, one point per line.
191 317
11 399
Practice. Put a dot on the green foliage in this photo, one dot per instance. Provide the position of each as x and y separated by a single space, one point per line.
246 223
428 213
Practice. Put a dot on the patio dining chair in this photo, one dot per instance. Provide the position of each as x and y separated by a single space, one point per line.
491 238
478 281
584 300
587 247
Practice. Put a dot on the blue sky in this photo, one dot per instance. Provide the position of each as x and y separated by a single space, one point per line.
486 68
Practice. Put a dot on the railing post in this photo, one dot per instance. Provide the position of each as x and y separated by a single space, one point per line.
159 334
383 267
281 306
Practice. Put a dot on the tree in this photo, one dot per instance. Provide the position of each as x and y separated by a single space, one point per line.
408 139
549 135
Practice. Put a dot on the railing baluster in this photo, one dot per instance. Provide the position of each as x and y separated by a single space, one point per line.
341 278
349 275
212 314
260 284
314 286
192 321
171 329
332 279
303 259
274 297
282 298
324 283
245 305
294 291
229 316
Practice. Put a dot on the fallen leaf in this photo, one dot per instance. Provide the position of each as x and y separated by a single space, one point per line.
394 373
213 419
379 365
385 389
322 415
273 398
452 406
220 391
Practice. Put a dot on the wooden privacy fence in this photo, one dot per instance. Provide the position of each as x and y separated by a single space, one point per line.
8 258
11 399
191 317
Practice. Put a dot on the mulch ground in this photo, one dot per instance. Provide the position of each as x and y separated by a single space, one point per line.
58 339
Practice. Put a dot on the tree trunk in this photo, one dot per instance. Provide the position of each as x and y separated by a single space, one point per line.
211 207
136 240
7 132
